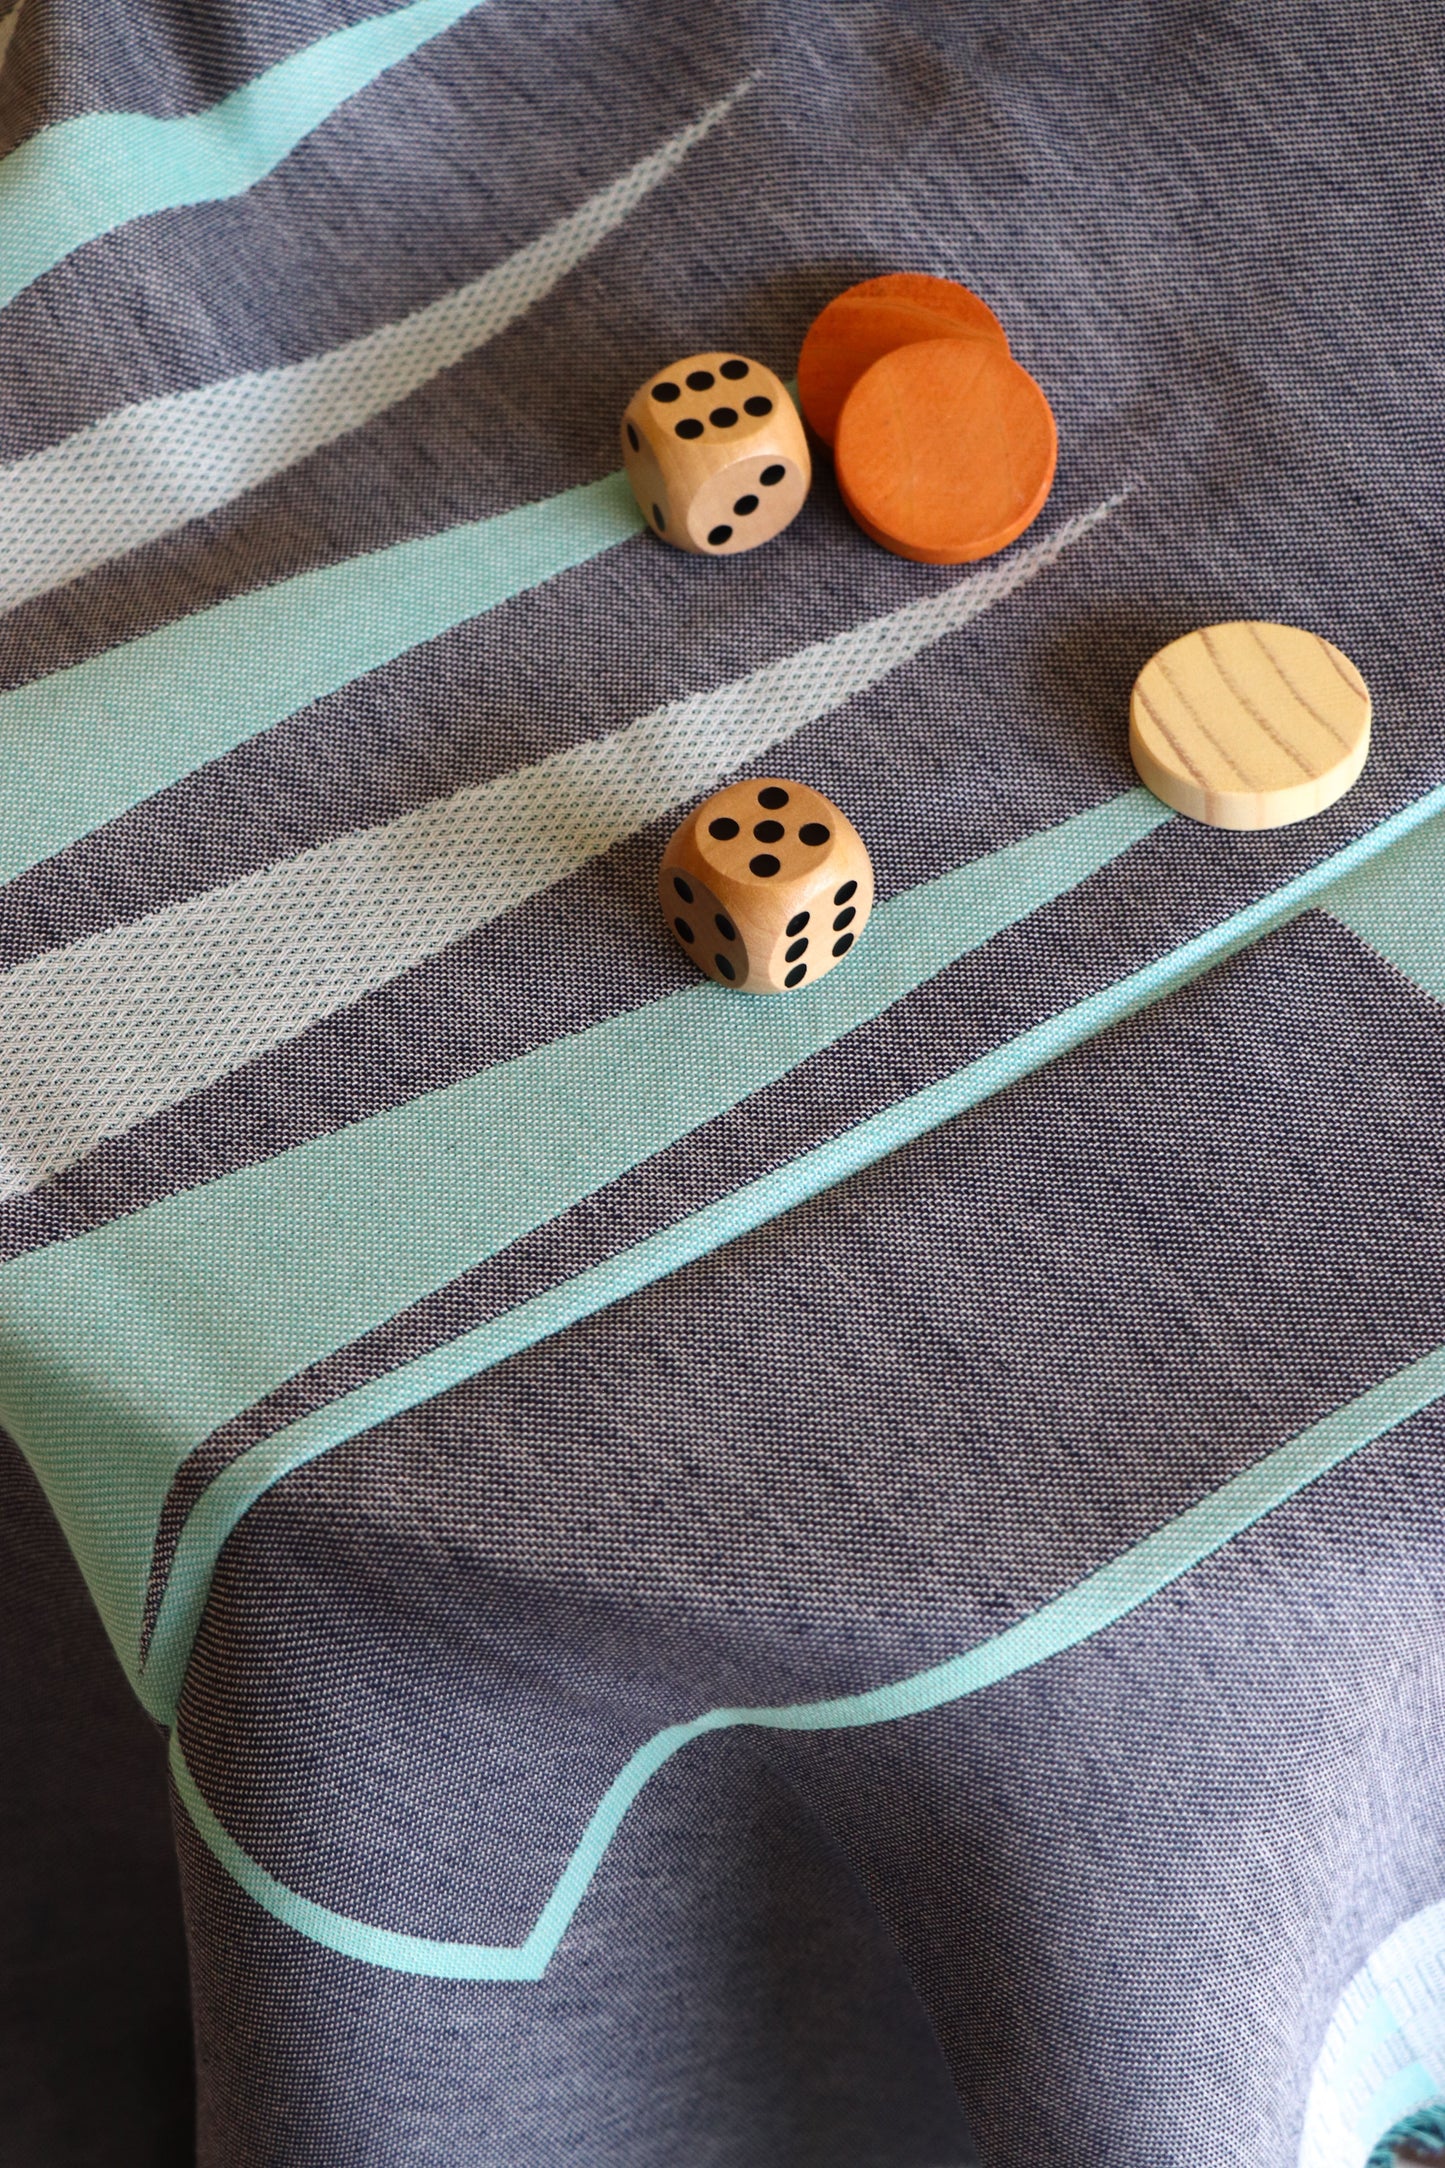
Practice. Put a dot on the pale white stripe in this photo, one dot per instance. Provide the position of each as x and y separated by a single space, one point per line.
7 29
1391 2017
147 469
97 1037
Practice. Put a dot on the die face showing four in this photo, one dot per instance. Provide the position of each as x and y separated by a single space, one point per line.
716 454
700 924
767 885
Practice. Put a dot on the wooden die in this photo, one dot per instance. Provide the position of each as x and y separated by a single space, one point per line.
716 454
767 885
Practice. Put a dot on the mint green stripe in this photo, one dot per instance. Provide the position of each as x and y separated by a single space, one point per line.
249 1476
1397 904
83 746
1365 2037
151 1330
1097 1602
398 1953
84 177
1409 2090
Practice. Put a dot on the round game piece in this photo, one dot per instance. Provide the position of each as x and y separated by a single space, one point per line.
862 325
1249 725
945 450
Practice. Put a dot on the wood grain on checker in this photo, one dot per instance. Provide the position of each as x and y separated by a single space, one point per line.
945 450
860 326
1249 725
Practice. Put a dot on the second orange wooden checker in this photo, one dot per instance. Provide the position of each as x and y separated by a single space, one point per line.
860 326
945 450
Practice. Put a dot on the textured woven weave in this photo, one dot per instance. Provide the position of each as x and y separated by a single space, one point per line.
851 1582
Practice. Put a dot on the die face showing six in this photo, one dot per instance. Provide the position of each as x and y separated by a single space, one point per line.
716 454
767 885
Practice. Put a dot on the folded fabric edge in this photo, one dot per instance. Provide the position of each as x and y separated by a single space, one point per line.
1100 1600
239 1485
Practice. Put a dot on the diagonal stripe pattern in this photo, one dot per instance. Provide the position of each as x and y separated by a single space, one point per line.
1391 905
154 1329
981 899
163 1328
97 1037
147 469
82 178
86 744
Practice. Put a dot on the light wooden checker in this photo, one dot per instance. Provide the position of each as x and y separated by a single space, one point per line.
1249 725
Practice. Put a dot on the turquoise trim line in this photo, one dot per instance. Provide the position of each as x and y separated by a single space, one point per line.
399 1953
1397 905
252 1473
1093 1604
83 746
1425 2124
84 177
152 1330
1404 2095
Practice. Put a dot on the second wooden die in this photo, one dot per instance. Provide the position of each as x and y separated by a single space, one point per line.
767 885
716 454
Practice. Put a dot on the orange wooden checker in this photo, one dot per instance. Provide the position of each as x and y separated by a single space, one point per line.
862 325
945 450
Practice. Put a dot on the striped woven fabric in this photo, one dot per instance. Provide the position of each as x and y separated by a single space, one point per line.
849 1580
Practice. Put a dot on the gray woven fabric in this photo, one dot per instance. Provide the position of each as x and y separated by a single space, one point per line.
1131 1885
95 2023
1117 1908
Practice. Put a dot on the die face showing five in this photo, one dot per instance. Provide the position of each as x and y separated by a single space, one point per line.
767 885
716 454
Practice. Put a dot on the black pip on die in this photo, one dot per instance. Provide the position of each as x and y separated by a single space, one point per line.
767 885
716 454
